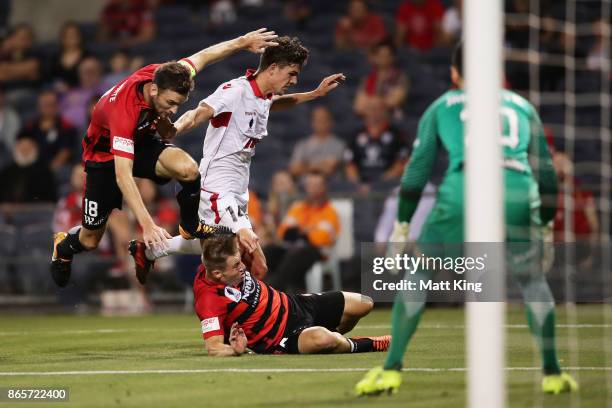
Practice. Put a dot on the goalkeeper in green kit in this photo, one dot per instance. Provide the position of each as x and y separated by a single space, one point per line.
530 199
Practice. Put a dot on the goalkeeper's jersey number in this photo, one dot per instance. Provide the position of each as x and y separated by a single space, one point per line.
509 139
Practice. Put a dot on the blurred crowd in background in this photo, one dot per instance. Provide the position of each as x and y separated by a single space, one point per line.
354 144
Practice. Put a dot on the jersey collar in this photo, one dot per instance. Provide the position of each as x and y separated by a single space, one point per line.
250 76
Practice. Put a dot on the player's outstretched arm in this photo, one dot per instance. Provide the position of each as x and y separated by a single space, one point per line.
418 169
326 86
151 234
193 118
236 347
188 120
255 41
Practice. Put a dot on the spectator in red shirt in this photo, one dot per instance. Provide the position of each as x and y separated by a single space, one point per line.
418 23
585 223
129 21
360 28
385 80
68 210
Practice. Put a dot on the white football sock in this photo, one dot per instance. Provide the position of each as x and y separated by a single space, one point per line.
180 245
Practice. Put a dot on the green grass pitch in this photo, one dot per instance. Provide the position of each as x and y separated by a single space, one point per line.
160 361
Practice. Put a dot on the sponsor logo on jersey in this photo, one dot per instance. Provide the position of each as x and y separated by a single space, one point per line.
248 285
233 294
123 145
227 86
210 324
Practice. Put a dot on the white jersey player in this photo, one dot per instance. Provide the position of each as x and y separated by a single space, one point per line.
238 112
240 122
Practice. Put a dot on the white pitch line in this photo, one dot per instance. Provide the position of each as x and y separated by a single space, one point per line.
266 370
365 326
508 326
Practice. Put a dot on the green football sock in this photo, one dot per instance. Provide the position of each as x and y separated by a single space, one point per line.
407 310
540 307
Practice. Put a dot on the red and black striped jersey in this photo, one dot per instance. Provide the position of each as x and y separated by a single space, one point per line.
259 309
119 119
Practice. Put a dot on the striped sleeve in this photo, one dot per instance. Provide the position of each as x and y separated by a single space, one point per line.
418 170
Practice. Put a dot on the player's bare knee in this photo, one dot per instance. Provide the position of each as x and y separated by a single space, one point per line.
324 341
188 172
357 305
367 304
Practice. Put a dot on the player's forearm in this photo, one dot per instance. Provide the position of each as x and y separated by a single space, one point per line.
193 118
186 122
411 188
223 350
130 192
408 203
546 176
216 52
291 100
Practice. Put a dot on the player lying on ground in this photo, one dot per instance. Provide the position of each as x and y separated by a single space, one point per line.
238 112
237 311
530 200
121 144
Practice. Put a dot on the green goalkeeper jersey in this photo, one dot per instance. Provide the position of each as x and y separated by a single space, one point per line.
441 130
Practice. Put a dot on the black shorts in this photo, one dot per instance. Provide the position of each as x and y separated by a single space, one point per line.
102 194
324 309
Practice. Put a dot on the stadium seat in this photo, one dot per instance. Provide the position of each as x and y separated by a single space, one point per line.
33 251
33 215
8 236
342 250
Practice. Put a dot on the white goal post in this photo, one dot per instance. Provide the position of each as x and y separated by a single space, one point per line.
484 196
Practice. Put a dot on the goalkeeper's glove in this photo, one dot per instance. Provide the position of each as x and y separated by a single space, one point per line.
548 247
397 241
400 233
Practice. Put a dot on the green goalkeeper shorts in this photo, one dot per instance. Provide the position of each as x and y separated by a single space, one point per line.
521 204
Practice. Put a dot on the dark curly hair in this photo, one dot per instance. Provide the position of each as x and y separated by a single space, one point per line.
288 51
175 77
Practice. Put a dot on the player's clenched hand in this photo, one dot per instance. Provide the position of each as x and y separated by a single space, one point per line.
248 239
237 339
329 83
257 41
155 237
165 128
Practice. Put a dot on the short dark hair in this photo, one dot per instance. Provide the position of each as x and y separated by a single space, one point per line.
215 251
457 59
288 51
386 43
175 77
317 173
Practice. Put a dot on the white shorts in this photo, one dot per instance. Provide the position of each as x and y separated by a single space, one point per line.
228 209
